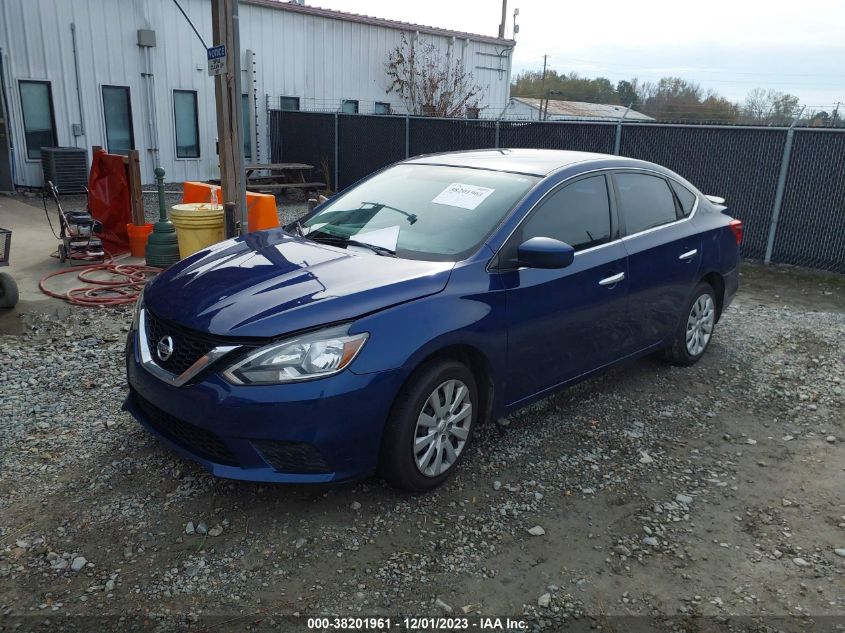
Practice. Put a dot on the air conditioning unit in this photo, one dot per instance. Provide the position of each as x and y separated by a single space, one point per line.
65 167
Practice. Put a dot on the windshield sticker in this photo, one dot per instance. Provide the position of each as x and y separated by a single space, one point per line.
464 196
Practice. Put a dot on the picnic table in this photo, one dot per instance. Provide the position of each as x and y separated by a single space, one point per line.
280 177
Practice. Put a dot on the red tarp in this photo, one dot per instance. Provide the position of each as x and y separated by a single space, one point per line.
109 201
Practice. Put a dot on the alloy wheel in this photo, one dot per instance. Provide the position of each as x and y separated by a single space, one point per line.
700 324
442 428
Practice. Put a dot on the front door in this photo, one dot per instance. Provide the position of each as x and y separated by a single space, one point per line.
564 323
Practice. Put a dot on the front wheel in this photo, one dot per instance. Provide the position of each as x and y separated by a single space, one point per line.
430 426
695 329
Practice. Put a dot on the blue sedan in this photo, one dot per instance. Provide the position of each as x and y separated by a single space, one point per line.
378 332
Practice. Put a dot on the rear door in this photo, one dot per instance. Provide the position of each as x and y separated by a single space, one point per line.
664 254
563 323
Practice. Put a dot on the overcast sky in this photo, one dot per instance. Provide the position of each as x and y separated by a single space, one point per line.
730 46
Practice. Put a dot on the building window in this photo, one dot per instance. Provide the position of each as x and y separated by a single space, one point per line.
39 124
187 124
382 107
288 103
246 115
117 110
349 106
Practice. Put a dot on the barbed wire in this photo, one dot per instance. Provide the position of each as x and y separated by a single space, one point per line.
669 113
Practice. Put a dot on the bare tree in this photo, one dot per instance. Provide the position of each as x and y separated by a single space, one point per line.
770 106
429 82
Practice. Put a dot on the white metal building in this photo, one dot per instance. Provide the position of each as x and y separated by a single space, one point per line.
132 73
533 109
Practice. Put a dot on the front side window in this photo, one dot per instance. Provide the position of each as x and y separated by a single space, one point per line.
578 214
645 201
38 121
349 106
187 124
428 212
685 197
117 111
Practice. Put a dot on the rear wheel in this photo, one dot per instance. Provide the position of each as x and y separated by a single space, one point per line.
695 329
430 426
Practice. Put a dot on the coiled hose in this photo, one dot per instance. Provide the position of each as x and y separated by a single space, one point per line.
103 292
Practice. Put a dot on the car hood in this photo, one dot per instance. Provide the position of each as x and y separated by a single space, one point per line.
269 283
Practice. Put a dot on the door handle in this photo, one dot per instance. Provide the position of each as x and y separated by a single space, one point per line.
612 281
688 255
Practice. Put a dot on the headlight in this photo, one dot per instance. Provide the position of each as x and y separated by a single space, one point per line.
311 355
136 314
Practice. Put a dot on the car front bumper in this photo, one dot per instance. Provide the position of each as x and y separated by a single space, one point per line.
315 431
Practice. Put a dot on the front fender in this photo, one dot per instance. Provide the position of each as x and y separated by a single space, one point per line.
469 311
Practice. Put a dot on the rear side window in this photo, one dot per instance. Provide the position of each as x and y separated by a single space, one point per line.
645 201
685 197
578 214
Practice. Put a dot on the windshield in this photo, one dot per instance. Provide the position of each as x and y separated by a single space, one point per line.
428 212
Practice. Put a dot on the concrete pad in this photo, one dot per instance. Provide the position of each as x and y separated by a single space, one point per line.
31 258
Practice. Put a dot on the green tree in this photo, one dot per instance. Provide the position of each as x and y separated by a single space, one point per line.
670 98
571 87
626 92
819 119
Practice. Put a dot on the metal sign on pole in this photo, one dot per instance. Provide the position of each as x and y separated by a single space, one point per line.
216 60
225 65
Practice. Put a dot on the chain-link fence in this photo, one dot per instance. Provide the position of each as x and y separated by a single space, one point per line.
738 164
795 176
584 137
811 227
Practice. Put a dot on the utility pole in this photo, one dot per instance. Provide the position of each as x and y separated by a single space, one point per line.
543 84
504 19
227 92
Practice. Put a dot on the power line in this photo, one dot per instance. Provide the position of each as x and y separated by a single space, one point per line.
179 6
704 70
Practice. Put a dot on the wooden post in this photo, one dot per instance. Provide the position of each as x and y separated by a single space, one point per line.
228 99
136 197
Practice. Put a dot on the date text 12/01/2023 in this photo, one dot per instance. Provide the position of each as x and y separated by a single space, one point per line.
417 624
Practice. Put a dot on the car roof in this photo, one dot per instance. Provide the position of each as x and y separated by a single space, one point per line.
536 162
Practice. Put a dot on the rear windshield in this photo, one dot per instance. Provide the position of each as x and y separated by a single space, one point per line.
427 212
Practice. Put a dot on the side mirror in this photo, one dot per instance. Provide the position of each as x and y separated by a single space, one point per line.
545 252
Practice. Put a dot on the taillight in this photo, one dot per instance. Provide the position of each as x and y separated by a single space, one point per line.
736 227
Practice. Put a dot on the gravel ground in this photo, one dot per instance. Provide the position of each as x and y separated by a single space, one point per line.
704 498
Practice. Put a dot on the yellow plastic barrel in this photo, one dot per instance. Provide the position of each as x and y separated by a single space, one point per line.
198 225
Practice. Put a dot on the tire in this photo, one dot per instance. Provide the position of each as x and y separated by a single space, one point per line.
414 418
8 291
701 309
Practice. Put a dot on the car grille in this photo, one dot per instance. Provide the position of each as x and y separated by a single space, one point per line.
188 345
292 457
203 443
